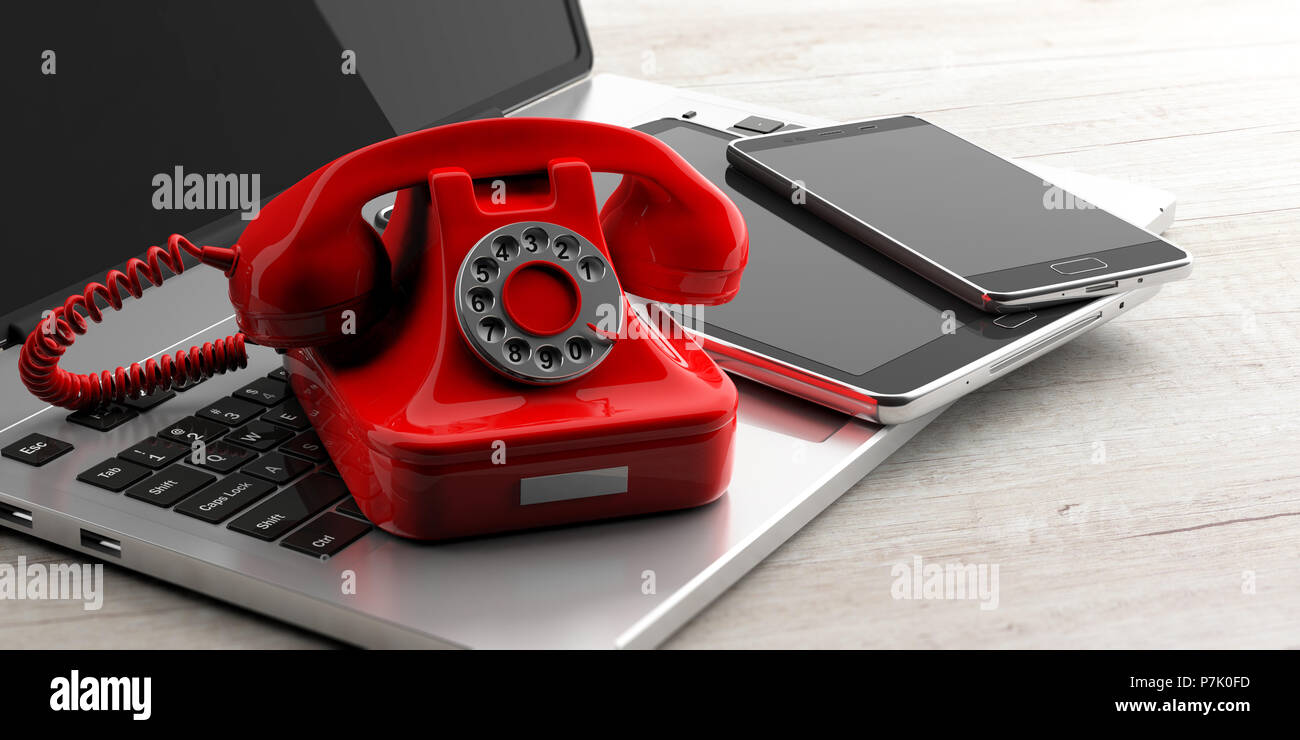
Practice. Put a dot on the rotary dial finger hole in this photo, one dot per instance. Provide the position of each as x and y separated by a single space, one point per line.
491 329
480 300
535 240
578 349
591 269
565 248
517 351
548 359
505 248
486 269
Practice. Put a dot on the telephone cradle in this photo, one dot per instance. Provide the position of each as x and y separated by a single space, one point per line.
478 368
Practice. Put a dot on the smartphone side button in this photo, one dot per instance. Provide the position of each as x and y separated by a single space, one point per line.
1074 267
1013 320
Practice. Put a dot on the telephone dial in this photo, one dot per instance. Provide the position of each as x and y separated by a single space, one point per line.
478 368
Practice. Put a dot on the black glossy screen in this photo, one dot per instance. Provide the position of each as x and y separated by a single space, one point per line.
958 205
236 87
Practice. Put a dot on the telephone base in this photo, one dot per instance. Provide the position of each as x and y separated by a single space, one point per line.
441 502
490 480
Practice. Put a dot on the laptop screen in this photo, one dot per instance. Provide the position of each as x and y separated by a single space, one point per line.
112 109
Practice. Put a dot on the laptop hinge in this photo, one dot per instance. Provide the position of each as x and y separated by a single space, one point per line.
492 112
18 329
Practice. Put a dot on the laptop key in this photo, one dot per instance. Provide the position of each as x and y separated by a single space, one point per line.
169 486
191 429
223 457
35 449
230 411
306 445
102 420
325 536
349 507
144 403
259 435
279 374
287 509
289 414
154 452
182 387
113 474
225 498
265 391
277 467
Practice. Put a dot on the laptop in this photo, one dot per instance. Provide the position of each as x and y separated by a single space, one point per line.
122 117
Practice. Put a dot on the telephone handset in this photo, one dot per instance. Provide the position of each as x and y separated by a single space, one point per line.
478 368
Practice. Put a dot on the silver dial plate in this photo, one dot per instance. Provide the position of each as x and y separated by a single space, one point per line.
505 345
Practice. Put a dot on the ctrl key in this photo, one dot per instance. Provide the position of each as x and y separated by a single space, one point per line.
326 536
36 449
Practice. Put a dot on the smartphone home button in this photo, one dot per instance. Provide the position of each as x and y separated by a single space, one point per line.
1013 320
1074 267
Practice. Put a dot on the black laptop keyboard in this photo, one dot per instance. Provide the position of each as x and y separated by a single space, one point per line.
263 473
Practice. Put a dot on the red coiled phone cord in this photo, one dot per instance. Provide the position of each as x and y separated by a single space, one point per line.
38 361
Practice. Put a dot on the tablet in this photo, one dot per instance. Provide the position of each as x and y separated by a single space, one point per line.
824 317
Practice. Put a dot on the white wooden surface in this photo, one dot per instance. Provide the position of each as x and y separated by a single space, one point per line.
1127 485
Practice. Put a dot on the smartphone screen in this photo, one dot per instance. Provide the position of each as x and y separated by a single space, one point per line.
949 201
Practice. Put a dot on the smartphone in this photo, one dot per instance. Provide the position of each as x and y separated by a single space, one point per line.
972 223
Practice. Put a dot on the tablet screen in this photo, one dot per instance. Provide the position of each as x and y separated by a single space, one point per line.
809 288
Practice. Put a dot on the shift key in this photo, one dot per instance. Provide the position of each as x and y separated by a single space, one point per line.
290 507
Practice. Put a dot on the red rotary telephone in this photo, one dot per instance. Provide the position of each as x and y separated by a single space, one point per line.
478 369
